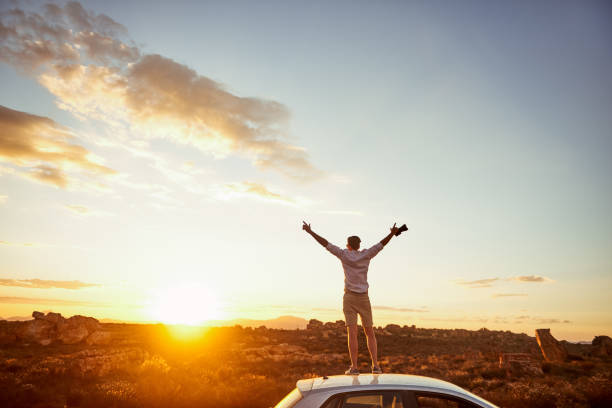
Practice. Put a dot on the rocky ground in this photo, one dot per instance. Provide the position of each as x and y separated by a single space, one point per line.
80 362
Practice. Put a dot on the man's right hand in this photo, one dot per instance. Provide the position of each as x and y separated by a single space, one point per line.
306 227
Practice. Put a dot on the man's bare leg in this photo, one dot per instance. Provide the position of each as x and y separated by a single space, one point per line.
352 344
372 346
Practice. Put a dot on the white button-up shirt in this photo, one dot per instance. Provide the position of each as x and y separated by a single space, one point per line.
355 265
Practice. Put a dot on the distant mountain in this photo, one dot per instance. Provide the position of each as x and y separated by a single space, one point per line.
16 318
282 322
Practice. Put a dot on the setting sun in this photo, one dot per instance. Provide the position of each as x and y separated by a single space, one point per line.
186 304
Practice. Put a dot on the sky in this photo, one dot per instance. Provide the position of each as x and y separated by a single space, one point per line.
157 161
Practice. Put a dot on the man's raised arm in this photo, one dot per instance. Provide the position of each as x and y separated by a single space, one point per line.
320 239
386 239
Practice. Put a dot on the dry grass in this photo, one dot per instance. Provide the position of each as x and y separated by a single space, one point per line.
219 369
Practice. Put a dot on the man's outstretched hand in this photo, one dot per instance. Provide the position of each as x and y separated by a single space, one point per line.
394 229
386 239
320 239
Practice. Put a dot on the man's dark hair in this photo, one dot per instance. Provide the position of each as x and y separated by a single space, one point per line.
354 242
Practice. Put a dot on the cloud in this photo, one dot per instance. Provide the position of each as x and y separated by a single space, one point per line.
500 295
530 278
487 283
60 37
41 147
84 211
539 320
399 309
251 189
552 321
96 72
481 283
47 301
26 244
46 284
3 199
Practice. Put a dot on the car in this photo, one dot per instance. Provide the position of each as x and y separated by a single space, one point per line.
380 391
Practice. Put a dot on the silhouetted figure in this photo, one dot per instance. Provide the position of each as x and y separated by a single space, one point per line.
356 300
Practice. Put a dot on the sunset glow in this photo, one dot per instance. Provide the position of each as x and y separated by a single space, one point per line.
187 304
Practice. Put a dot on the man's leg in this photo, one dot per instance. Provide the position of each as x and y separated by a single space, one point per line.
372 346
352 344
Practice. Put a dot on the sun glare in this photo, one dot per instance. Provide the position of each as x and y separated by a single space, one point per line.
186 304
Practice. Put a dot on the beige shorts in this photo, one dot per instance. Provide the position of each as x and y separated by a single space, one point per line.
354 304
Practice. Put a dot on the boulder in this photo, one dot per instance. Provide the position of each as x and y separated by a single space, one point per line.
76 329
50 327
38 331
38 315
89 323
54 318
98 338
602 346
552 350
393 328
73 335
314 324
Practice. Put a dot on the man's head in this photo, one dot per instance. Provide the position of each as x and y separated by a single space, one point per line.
353 242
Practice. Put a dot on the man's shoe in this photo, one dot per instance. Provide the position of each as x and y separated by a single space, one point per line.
376 370
352 371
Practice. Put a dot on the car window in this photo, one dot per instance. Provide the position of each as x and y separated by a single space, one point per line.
331 403
383 399
440 401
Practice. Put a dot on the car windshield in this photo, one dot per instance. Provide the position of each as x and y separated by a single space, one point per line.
290 400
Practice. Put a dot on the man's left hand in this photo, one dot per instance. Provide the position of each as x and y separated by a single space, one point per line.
394 229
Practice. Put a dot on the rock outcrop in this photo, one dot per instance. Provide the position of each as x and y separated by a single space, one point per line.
552 350
37 331
314 324
52 327
602 346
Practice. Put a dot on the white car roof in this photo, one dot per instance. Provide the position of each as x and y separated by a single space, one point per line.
347 383
374 380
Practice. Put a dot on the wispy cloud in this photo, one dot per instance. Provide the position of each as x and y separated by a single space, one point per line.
51 302
553 321
96 72
539 320
83 211
255 190
488 282
41 147
481 283
399 309
530 278
46 284
501 295
25 244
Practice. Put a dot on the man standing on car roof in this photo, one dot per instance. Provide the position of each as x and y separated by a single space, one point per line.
356 300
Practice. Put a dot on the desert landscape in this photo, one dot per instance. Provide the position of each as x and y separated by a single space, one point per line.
52 361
